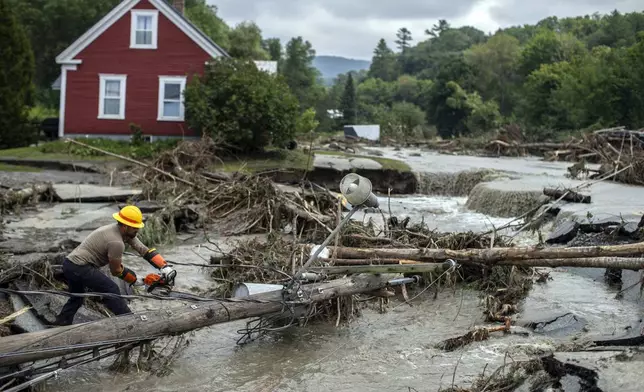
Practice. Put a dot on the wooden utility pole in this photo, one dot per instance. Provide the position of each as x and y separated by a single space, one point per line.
500 256
147 325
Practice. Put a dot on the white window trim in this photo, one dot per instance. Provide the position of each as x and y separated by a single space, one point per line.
101 96
172 79
155 28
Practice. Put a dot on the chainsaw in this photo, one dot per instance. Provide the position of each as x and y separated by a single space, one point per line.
154 281
163 285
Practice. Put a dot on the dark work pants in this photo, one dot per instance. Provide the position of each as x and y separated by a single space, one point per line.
80 277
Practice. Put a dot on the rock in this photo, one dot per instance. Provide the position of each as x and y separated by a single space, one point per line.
630 229
341 163
28 321
48 306
563 325
563 233
93 193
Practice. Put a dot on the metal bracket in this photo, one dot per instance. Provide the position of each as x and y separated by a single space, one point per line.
144 318
194 306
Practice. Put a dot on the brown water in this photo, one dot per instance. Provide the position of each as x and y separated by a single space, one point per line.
377 352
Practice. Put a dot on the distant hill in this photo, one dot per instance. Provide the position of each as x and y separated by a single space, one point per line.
332 66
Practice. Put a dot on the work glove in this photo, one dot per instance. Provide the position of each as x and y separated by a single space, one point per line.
153 257
156 260
128 276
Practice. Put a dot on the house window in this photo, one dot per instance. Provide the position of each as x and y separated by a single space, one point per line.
144 29
111 103
171 104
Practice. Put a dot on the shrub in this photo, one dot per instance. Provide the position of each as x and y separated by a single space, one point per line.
241 105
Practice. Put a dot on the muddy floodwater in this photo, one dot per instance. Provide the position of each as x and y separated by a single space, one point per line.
394 350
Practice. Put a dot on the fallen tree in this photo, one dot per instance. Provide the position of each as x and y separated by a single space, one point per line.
567 195
498 256
148 325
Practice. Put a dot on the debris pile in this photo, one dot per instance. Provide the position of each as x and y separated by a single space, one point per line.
11 200
239 203
617 150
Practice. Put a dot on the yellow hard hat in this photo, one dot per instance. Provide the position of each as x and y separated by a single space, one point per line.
130 216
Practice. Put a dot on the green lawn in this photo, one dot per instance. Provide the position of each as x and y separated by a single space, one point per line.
269 160
297 160
42 152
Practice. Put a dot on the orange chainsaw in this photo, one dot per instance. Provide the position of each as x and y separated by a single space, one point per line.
153 281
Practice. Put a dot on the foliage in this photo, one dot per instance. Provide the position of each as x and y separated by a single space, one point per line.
549 78
246 42
205 17
236 102
121 147
299 73
403 121
306 122
348 102
38 113
16 74
52 25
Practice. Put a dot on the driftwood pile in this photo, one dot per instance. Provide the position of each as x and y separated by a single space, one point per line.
617 150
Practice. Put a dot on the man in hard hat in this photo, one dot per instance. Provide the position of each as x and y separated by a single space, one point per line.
105 246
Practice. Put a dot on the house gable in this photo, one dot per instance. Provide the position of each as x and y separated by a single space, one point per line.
121 10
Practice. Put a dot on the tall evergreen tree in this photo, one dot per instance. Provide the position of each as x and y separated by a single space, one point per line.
348 102
383 63
299 72
16 78
404 39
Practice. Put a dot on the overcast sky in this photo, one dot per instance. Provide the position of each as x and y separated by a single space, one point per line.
351 28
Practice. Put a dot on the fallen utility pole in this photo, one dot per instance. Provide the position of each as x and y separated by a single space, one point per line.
501 256
146 325
382 269
408 266
366 261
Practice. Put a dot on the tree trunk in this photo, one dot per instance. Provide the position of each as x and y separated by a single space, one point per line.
493 255
569 195
13 198
146 325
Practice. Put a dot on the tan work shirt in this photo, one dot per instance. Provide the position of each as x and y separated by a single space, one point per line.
103 244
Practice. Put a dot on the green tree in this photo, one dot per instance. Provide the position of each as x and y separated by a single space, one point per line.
438 28
273 46
307 122
548 47
383 63
242 105
16 74
299 72
403 120
348 103
52 25
246 42
495 64
205 17
404 39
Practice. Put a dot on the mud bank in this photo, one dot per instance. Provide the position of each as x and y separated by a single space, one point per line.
454 184
399 182
504 199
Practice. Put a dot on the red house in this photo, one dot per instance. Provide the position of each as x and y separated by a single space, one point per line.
132 67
